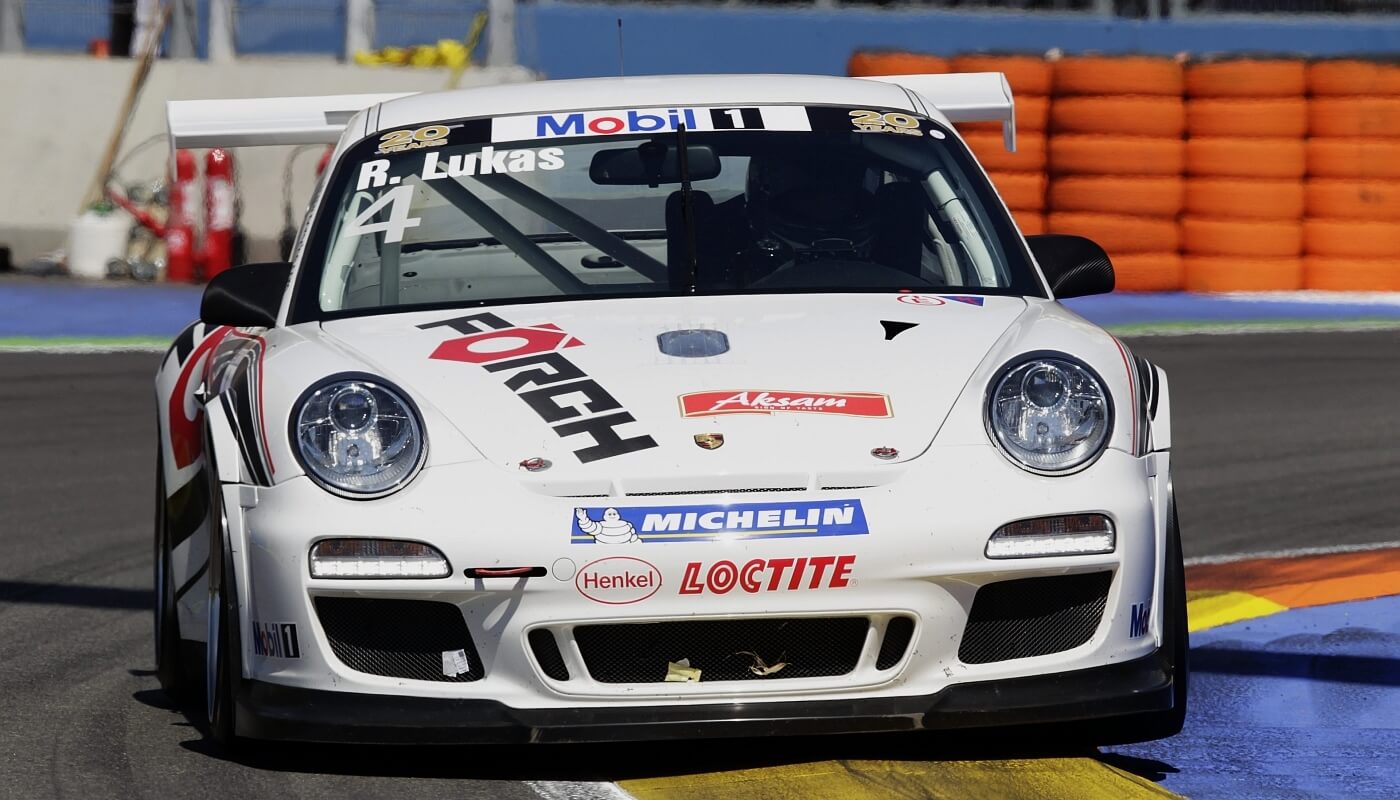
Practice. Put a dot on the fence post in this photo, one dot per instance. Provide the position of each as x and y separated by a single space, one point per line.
500 33
359 27
1103 8
11 26
221 46
182 29
1179 9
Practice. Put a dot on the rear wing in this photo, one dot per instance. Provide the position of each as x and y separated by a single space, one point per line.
965 97
265 120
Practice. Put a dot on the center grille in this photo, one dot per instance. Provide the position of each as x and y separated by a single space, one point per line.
398 638
1033 616
723 650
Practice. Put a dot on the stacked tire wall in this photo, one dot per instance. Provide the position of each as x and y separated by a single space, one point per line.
1352 232
1213 175
1116 161
1246 128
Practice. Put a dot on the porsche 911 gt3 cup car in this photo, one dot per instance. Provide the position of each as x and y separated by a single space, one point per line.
642 407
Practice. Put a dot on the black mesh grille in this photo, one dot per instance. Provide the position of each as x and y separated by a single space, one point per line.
546 651
897 635
397 638
1033 616
723 650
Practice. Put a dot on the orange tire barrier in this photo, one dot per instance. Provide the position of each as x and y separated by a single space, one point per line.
1246 158
1247 78
1270 116
1351 274
1351 238
1259 198
1022 191
1118 233
1136 115
1092 154
1215 274
1354 116
1353 158
1118 75
1031 223
1147 272
1030 75
1352 77
1150 196
1032 114
991 151
1236 237
880 62
1353 199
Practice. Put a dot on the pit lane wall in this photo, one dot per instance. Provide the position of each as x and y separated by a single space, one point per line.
1205 173
57 111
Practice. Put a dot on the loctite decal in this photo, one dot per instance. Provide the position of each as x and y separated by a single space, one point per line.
709 523
536 369
768 401
618 580
767 575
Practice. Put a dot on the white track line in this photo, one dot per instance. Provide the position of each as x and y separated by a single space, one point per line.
578 790
1301 551
80 349
1130 331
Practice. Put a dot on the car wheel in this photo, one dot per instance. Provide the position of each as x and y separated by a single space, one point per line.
172 668
1176 641
223 668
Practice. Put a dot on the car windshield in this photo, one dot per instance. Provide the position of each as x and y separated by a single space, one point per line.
672 201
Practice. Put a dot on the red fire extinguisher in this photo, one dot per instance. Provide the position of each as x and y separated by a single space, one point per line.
180 225
220 204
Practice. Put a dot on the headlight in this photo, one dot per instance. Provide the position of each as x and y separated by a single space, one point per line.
358 436
1049 414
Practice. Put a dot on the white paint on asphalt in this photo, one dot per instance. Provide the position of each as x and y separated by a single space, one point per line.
82 349
578 790
1294 553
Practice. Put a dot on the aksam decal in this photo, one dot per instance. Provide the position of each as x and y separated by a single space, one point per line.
709 523
735 401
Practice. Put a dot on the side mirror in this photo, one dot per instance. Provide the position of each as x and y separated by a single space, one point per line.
247 296
1075 266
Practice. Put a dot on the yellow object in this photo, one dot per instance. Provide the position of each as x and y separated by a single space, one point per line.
450 53
1042 779
1211 608
681 672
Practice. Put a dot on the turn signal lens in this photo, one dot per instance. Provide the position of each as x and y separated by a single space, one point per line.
1073 535
377 558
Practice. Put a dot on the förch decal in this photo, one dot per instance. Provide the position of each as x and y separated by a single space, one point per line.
708 523
531 357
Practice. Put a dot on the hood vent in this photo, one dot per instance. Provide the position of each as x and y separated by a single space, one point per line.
694 343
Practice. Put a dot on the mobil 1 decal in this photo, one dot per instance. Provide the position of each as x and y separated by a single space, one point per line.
633 121
531 363
870 120
718 523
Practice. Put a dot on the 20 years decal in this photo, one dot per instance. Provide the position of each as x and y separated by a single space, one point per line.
530 356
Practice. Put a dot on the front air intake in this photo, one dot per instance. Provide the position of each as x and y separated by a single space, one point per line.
399 638
1033 617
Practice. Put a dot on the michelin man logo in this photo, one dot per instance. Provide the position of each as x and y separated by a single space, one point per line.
611 529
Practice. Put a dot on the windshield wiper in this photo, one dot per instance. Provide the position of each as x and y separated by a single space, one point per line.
687 215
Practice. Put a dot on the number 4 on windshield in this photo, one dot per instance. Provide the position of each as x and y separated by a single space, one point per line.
397 200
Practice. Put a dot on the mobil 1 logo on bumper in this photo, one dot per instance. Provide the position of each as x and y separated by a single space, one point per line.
631 121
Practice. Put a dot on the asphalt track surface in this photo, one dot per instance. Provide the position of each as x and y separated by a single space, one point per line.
1281 442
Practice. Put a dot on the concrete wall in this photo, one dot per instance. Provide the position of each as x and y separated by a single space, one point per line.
58 112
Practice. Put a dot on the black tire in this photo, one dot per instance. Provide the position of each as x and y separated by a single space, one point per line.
223 659
173 668
1176 641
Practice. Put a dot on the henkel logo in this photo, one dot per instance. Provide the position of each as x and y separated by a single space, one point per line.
730 401
618 580
605 123
768 575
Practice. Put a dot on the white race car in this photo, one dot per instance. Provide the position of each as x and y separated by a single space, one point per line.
680 406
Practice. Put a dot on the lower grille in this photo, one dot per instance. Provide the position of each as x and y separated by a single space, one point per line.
897 635
398 638
1033 617
546 650
723 650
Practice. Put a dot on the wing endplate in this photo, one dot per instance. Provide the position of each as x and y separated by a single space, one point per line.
965 97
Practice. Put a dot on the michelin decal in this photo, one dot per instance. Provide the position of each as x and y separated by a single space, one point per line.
708 523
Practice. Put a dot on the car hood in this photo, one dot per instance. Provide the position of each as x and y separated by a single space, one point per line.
800 388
